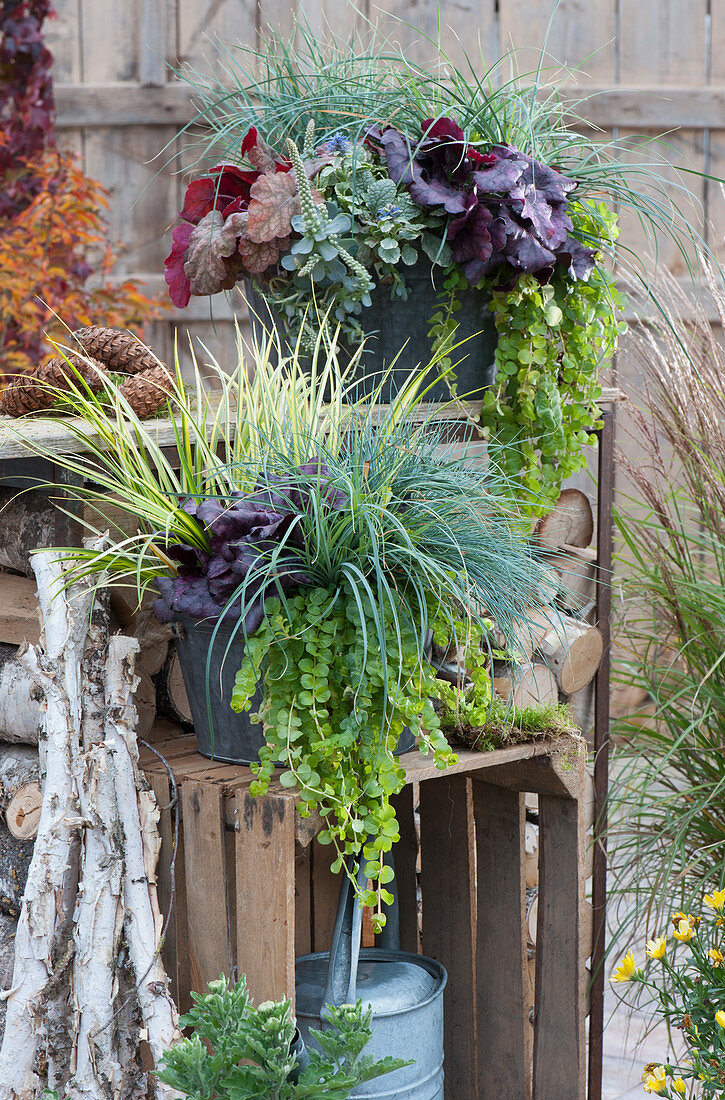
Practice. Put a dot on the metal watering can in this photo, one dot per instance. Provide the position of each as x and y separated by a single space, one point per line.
404 990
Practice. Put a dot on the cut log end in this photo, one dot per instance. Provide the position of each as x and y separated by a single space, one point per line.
576 664
570 521
173 702
527 686
23 811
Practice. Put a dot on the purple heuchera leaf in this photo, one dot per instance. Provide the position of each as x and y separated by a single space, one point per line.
507 209
425 179
212 242
503 174
176 279
472 236
244 530
578 258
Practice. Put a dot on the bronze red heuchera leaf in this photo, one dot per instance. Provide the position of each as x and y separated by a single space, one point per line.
211 244
274 202
260 154
258 256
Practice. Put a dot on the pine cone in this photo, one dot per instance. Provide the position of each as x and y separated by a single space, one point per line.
120 351
37 389
147 392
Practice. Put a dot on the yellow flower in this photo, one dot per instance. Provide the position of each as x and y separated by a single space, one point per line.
716 957
656 948
626 969
684 929
716 900
720 1017
654 1077
679 1086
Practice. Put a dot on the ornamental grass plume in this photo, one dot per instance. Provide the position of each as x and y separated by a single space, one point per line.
687 986
667 799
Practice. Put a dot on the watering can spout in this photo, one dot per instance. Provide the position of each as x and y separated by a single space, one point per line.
340 986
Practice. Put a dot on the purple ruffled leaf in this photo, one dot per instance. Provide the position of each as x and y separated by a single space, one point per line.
473 238
578 258
553 185
244 532
502 176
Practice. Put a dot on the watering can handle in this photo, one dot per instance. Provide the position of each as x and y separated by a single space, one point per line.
341 982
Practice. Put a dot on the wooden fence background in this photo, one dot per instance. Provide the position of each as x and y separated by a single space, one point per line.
656 66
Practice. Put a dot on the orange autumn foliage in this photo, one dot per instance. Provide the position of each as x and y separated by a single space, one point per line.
55 266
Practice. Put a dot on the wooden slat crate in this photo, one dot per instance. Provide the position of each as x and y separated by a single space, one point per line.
252 889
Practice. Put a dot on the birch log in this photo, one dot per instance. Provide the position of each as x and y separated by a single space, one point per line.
171 698
570 521
527 685
22 700
157 1008
18 767
27 521
573 651
571 648
98 917
577 569
38 939
20 795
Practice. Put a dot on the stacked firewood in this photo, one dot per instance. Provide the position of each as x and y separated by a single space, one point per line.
559 649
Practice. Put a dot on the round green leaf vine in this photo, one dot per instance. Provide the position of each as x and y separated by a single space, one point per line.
333 725
554 339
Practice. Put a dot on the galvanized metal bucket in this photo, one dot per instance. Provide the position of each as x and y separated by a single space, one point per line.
221 733
397 333
404 990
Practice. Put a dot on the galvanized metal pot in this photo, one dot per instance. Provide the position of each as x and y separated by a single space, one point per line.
400 328
221 733
404 990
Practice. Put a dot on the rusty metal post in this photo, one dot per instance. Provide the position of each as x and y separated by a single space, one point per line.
601 749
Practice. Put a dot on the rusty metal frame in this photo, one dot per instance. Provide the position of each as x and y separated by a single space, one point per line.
605 503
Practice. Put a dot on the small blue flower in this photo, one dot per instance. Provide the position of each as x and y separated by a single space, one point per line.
390 210
337 144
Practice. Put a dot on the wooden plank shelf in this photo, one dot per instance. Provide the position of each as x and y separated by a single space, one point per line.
253 888
66 436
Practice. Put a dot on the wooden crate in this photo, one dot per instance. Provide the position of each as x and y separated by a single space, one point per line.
253 889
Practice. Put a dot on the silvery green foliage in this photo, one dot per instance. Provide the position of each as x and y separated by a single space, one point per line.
228 1030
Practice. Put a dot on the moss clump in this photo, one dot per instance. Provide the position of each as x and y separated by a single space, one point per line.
507 725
